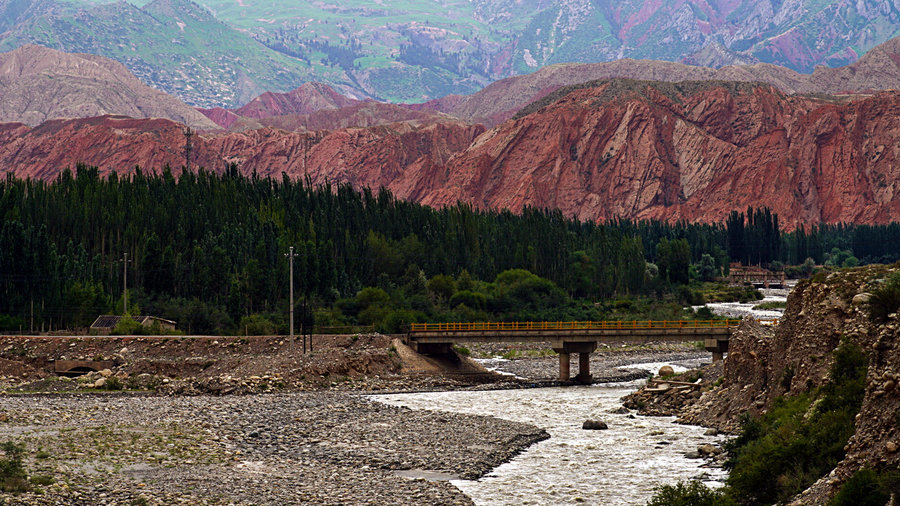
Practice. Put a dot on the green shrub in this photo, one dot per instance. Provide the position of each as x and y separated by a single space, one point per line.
693 493
801 438
772 304
462 350
885 299
12 470
864 488
42 479
113 383
471 299
256 325
128 326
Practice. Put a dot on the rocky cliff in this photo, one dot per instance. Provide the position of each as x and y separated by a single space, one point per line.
606 149
690 151
796 356
402 156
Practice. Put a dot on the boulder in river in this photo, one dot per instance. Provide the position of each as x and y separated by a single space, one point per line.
594 425
666 370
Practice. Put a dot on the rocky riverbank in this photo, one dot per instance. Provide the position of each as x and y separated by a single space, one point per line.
322 448
765 364
256 421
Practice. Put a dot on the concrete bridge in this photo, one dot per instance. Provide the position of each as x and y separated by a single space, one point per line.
572 337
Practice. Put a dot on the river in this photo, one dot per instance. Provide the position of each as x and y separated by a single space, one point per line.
619 466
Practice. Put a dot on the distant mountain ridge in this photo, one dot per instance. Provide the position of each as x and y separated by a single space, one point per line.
878 70
615 148
224 53
38 84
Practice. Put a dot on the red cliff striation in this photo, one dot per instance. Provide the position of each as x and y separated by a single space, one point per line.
633 149
693 151
400 156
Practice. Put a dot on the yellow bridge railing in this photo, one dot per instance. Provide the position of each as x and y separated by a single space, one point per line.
598 325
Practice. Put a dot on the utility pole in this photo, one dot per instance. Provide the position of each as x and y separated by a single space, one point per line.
188 133
125 261
290 254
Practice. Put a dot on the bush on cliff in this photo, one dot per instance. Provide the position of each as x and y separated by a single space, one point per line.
12 470
801 438
885 299
865 488
692 493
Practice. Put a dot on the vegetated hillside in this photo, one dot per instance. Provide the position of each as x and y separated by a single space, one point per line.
858 306
176 46
879 69
692 150
38 84
402 51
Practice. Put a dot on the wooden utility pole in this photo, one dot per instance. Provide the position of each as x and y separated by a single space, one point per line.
125 261
188 133
290 254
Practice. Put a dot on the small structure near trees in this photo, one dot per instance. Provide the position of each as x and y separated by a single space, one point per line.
105 324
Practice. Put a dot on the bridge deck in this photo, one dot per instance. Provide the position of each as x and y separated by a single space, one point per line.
572 337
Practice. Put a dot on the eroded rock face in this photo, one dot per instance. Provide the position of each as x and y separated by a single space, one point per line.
694 152
633 149
403 157
797 356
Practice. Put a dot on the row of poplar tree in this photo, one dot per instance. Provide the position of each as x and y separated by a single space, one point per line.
217 243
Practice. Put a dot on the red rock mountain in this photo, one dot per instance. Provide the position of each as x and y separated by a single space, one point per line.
879 69
37 84
370 157
307 99
317 106
693 150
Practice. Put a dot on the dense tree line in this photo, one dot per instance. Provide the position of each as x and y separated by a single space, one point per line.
208 250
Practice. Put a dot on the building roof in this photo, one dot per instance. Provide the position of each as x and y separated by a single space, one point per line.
110 321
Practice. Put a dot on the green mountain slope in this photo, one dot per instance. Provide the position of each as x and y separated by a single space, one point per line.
225 52
175 45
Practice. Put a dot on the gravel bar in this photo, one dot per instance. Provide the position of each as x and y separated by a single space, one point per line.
299 448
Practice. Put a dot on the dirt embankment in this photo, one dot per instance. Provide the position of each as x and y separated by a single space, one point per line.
232 365
796 357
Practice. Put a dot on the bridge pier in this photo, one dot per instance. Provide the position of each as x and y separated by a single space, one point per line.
717 346
584 349
564 364
584 368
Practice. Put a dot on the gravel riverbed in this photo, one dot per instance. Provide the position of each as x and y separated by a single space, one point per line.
178 444
321 448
